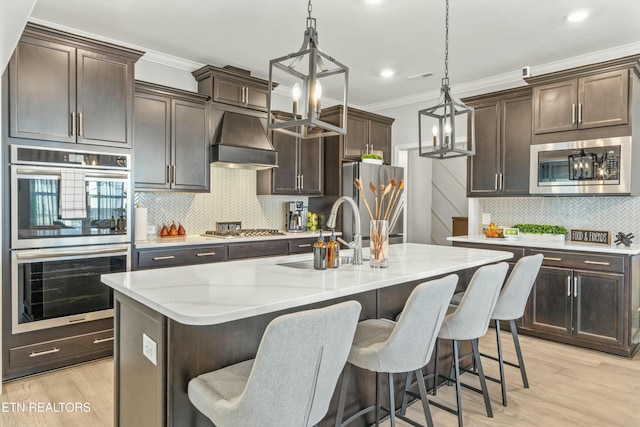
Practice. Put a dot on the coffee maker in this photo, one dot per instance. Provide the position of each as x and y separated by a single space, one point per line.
296 216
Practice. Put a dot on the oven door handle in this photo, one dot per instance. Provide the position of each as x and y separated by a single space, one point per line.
65 254
89 173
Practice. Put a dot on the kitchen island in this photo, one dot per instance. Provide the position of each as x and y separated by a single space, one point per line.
173 324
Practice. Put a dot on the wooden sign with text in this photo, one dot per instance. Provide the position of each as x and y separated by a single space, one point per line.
590 236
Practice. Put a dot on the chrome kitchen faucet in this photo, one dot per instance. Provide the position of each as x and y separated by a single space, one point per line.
356 244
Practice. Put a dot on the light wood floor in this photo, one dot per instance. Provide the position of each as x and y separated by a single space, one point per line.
569 387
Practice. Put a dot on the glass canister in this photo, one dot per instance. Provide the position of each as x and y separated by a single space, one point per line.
379 244
320 254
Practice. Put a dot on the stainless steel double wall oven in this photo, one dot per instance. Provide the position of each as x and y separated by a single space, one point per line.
69 212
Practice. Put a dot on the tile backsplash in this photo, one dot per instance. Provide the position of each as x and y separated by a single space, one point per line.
232 198
595 213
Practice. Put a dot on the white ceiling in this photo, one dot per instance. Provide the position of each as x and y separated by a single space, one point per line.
487 37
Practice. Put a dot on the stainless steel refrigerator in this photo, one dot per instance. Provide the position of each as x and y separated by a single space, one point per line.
369 173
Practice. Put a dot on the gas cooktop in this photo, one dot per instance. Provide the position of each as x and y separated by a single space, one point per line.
242 232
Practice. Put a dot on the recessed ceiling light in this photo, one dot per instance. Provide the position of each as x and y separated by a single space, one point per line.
387 72
577 16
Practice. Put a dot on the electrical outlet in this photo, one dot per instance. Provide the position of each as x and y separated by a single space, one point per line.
486 218
150 349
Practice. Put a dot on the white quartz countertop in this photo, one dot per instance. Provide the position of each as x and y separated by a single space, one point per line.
195 239
634 249
209 294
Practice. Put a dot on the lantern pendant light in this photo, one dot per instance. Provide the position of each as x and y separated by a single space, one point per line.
447 113
308 72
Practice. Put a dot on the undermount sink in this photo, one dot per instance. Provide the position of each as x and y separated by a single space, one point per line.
308 264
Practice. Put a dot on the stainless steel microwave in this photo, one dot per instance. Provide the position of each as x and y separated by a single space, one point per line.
589 167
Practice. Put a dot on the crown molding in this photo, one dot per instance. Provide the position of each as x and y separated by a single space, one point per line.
149 55
510 79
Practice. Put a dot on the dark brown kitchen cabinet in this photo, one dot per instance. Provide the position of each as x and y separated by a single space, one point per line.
175 257
172 142
502 124
300 165
234 86
581 298
366 133
68 88
586 102
582 304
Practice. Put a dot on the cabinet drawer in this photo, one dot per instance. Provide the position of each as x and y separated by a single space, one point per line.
258 249
299 246
175 257
517 252
581 260
66 348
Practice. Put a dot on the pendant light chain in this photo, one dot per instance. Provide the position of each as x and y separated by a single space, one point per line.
446 44
311 22
309 8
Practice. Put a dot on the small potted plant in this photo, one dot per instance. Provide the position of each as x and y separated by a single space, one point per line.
372 158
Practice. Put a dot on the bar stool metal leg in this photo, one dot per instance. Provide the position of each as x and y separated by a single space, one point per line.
423 397
456 363
346 373
483 382
392 402
436 372
516 342
378 385
503 385
407 389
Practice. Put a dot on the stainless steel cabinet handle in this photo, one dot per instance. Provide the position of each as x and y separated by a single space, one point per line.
580 112
597 262
548 258
80 124
302 181
73 123
575 287
568 286
206 254
495 184
160 258
42 353
501 181
244 96
305 245
173 179
101 340
573 114
168 174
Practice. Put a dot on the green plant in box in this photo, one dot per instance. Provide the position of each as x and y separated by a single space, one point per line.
540 229
372 156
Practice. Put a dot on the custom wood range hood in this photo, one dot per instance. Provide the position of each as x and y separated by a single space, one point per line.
241 142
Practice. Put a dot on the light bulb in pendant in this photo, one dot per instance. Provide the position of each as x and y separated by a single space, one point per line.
435 135
317 96
296 92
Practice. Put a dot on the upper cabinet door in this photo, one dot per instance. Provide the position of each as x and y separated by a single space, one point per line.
515 147
152 132
228 91
555 107
603 100
103 100
256 98
190 146
42 91
285 176
483 166
311 166
380 140
356 138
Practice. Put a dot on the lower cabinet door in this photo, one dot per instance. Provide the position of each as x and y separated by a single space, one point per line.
599 307
550 301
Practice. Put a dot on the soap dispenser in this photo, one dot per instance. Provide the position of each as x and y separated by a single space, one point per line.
333 252
320 254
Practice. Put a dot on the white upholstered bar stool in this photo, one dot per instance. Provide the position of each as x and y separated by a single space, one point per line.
291 380
470 321
510 307
384 346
